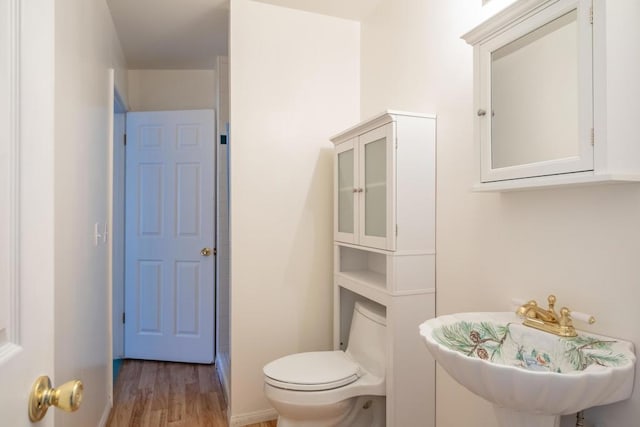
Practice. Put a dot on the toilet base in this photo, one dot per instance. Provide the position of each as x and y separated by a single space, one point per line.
367 411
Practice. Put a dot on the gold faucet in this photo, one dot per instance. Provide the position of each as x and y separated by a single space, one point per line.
549 320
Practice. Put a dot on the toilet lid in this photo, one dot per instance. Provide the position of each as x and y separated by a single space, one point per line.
314 371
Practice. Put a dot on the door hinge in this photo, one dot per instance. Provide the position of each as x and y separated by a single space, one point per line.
123 317
593 136
591 14
125 139
396 143
396 230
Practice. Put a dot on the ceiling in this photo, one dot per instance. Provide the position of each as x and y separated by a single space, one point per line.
189 34
348 9
171 34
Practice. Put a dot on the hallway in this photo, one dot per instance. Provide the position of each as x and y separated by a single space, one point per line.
158 394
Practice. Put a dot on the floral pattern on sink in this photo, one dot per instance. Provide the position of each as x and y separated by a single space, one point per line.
517 345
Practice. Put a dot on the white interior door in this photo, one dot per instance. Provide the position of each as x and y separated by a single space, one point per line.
169 284
26 204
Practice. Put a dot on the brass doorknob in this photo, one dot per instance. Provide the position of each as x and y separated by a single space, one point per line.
207 251
66 397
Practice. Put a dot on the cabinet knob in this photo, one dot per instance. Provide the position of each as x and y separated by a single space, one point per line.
482 113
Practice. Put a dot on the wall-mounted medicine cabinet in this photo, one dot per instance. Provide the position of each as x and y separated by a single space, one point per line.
541 101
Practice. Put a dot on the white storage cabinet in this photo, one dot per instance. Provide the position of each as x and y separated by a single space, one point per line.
384 230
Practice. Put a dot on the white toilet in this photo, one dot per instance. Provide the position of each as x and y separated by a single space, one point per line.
334 388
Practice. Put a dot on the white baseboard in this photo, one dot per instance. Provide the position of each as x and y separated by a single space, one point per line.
223 368
105 415
253 418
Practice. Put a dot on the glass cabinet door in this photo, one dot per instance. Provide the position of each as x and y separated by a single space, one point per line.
376 179
346 192
375 188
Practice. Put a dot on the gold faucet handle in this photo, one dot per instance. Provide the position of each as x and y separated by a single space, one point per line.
552 302
565 317
526 309
583 317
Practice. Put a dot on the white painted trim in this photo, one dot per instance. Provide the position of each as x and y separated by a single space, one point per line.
14 171
253 417
12 136
110 168
105 415
8 351
118 104
413 292
552 181
385 251
505 19
373 122
222 368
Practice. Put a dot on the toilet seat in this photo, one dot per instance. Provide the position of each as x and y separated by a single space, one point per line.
313 371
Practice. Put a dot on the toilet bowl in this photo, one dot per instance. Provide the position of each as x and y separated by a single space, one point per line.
334 388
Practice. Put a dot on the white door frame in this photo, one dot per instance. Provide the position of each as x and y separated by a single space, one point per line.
116 296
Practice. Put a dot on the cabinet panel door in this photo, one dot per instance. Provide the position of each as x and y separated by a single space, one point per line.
536 80
377 182
345 192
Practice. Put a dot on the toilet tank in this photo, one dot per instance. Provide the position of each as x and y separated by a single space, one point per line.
367 337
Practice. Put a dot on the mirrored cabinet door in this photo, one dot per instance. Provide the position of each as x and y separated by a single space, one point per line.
535 95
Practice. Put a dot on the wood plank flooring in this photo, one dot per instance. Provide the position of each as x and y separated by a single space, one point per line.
164 394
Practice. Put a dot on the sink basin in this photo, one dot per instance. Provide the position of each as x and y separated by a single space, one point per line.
531 377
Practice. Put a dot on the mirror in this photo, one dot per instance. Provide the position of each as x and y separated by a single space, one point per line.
535 96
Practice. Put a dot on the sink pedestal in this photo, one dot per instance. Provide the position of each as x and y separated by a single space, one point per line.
509 418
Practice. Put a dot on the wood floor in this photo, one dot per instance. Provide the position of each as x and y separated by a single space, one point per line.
159 394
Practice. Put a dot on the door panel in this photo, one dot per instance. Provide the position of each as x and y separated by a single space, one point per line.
26 205
150 199
187 200
149 297
187 289
170 213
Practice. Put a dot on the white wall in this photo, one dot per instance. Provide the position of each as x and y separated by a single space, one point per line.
294 81
86 46
583 244
157 90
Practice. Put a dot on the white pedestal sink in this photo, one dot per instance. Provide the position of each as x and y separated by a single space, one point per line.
509 417
531 377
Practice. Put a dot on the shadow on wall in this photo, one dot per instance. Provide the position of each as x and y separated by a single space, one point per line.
312 246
